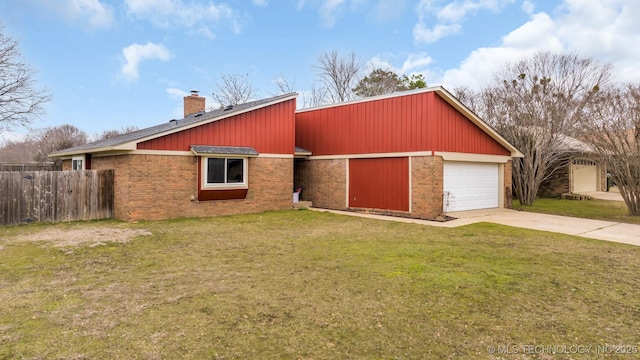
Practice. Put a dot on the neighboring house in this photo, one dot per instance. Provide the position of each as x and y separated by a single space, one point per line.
229 161
580 172
416 153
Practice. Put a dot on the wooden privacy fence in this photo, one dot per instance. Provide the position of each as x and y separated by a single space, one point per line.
27 196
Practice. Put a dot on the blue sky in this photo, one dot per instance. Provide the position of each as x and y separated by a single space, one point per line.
116 63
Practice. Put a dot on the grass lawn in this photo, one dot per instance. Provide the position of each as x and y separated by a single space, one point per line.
309 285
590 209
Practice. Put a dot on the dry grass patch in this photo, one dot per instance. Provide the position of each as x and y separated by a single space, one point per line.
92 236
308 285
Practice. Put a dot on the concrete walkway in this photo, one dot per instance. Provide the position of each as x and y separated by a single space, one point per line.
604 195
594 229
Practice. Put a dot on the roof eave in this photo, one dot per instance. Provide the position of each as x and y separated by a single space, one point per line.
80 152
122 147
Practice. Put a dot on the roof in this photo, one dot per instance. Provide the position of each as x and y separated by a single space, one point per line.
446 96
301 151
571 144
130 140
223 150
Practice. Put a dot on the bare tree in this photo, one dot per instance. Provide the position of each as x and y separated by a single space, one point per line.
535 103
284 86
317 96
338 74
613 129
117 132
18 151
471 99
58 138
233 89
20 100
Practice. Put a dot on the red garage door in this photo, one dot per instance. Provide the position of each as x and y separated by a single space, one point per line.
379 183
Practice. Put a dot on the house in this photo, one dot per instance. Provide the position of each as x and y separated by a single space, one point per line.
579 172
229 161
415 153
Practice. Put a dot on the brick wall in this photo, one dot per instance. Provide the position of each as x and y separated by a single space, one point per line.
323 182
120 181
193 104
602 170
153 187
508 184
557 184
426 184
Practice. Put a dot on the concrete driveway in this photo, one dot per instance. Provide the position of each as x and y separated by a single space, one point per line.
594 229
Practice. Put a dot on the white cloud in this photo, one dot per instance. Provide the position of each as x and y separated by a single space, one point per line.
413 64
329 11
260 2
136 53
179 13
423 34
204 30
93 13
607 31
377 62
175 93
456 11
386 10
528 7
478 68
448 18
536 34
593 28
96 13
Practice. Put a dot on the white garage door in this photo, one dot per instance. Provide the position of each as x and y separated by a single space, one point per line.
470 186
585 177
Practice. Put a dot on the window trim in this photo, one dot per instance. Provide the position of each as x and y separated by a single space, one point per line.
82 160
224 186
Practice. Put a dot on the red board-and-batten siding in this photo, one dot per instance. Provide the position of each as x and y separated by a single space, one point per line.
416 122
269 130
380 183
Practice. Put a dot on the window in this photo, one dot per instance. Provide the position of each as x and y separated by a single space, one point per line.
77 163
224 172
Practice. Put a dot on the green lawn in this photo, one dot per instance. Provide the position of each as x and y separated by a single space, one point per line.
590 209
309 285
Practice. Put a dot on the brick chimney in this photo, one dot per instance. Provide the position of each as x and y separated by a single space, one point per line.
193 103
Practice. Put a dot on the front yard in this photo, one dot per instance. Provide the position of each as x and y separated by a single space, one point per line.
615 211
309 285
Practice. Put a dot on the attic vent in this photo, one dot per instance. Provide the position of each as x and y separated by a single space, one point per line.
173 120
229 107
198 114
